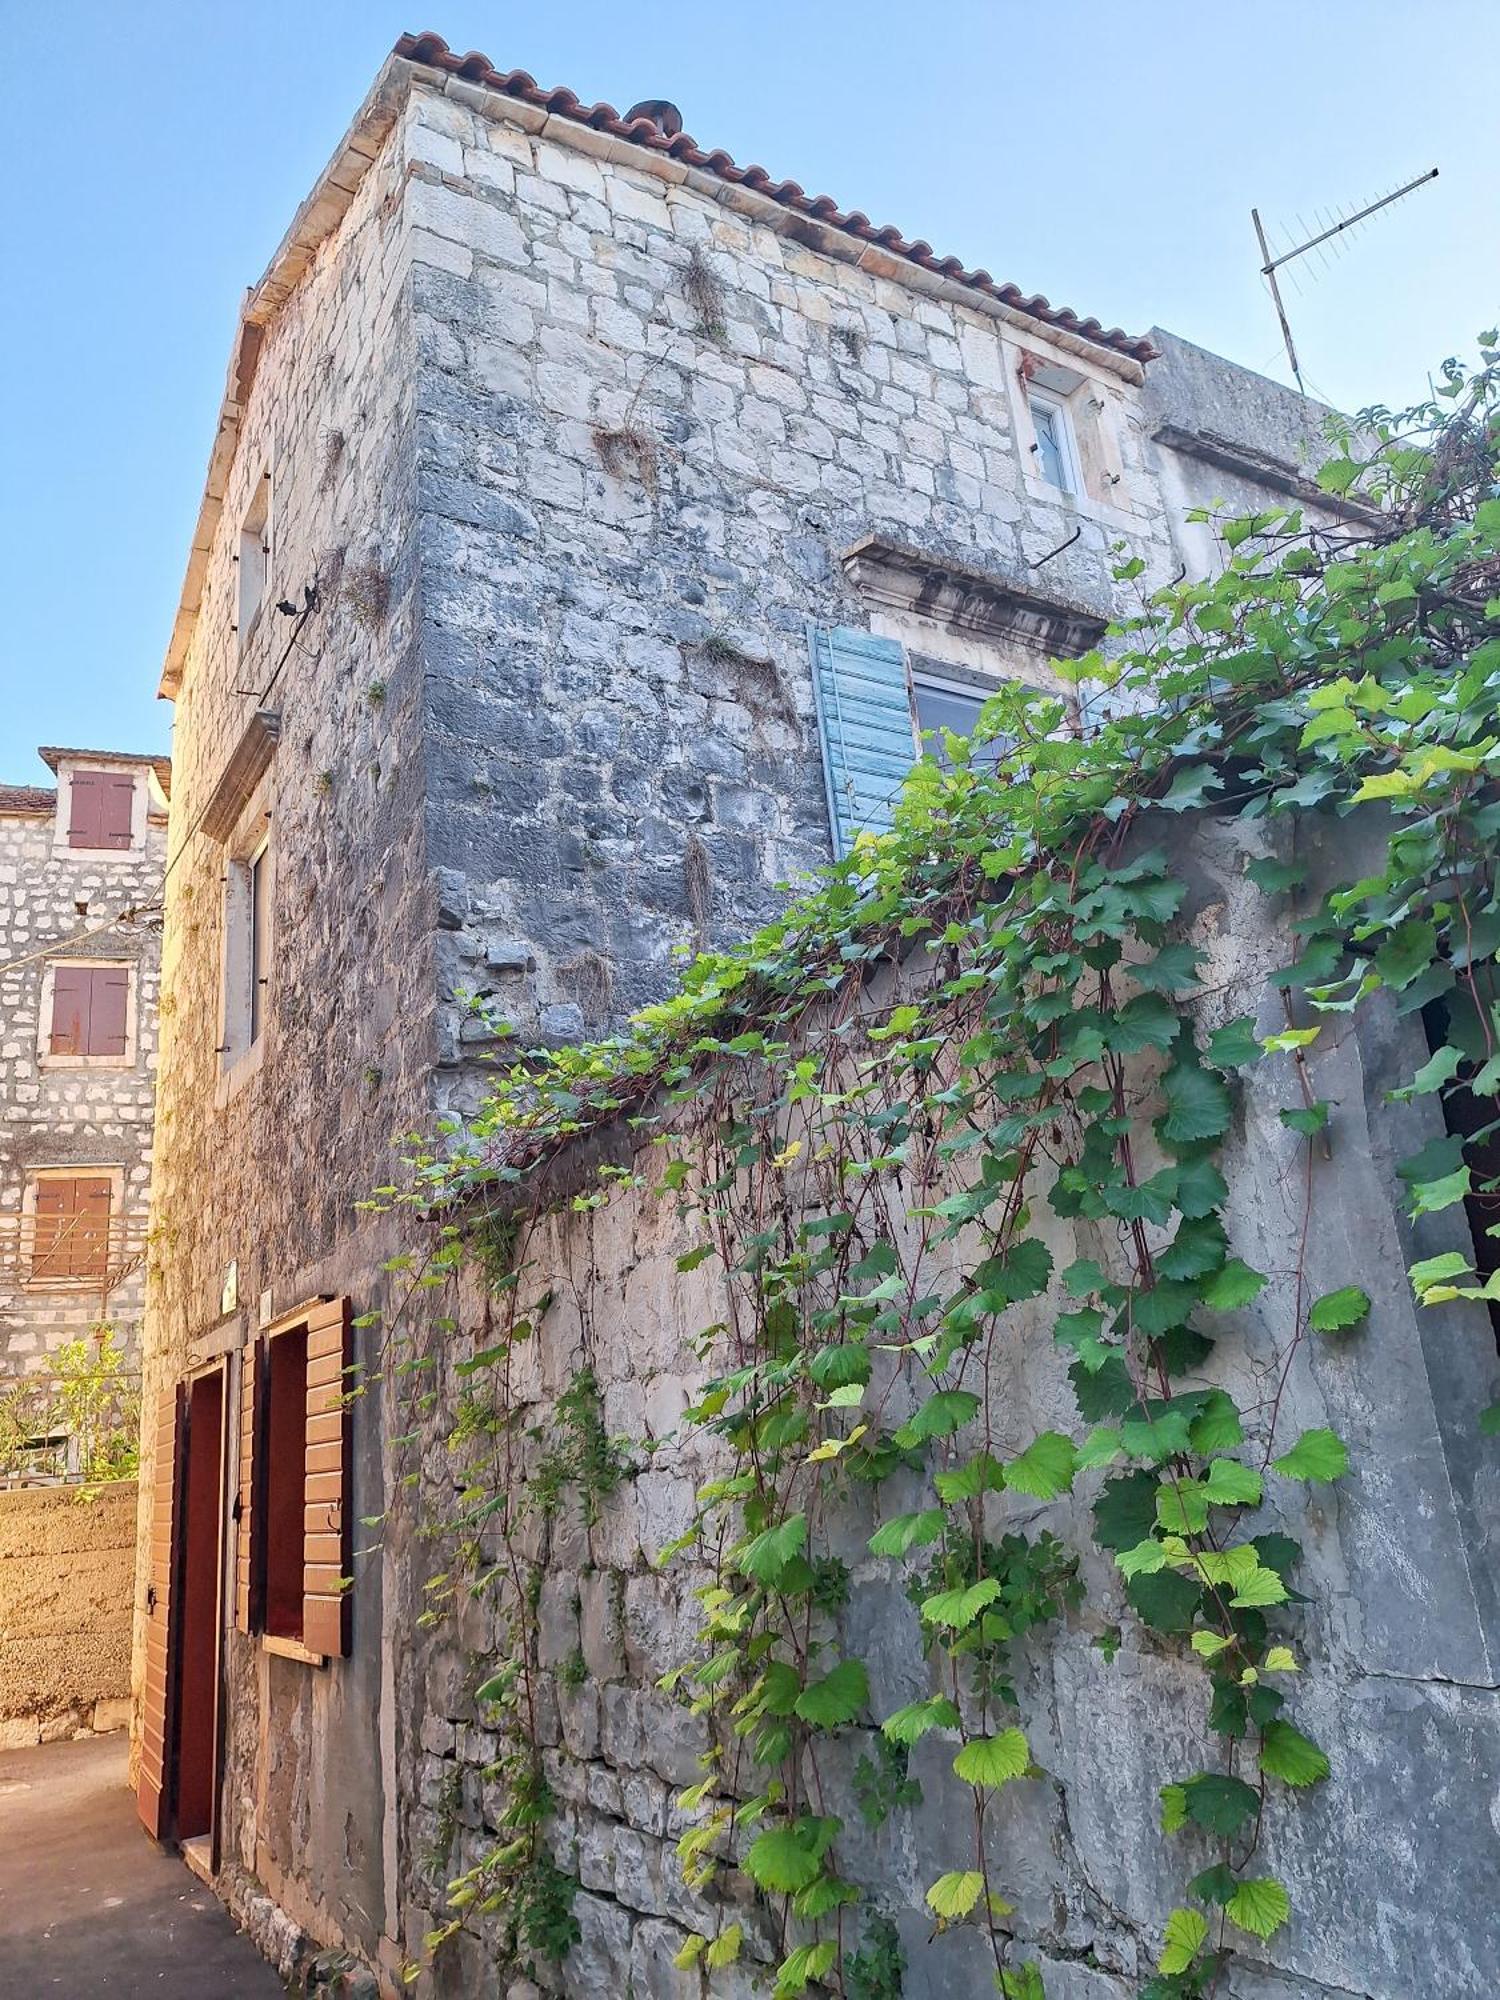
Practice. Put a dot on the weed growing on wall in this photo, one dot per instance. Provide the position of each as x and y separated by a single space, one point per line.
861 1117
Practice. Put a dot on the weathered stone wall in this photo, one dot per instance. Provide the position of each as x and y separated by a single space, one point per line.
649 426
60 1114
67 1563
1389 1864
260 1164
550 717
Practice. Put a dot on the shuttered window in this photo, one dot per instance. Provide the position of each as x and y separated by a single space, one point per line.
71 1226
89 1008
102 804
865 726
293 1549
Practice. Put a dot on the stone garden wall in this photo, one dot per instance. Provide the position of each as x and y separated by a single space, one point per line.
67 1567
1390 1865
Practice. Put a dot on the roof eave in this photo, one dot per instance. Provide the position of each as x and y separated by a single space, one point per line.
598 130
312 225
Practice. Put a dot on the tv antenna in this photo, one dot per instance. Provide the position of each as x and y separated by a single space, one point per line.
1271 265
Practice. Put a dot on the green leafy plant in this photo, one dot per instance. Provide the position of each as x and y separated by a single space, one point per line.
858 1116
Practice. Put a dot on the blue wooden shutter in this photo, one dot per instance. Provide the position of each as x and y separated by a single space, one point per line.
864 724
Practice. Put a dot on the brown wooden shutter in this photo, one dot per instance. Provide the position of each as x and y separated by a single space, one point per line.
326 1511
151 1790
109 994
247 1610
116 806
71 1227
71 987
85 803
101 806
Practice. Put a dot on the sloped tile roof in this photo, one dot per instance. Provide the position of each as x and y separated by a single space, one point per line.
433 52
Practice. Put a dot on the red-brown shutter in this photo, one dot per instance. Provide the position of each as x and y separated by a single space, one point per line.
150 1794
109 993
247 1614
326 1510
116 806
101 808
85 806
71 986
71 1227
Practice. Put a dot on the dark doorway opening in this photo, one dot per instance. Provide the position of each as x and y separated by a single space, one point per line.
194 1745
1474 1123
285 1482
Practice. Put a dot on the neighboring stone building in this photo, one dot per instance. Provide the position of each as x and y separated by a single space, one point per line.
81 872
591 526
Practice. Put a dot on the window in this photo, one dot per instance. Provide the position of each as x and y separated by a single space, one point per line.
101 809
254 559
1056 459
248 883
292 1547
71 1227
939 705
90 1012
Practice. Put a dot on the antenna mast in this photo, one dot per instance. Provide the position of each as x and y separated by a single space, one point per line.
1271 265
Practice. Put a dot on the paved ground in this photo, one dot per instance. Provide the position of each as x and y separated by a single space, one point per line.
88 1905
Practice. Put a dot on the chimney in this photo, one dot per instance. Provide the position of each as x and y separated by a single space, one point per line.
664 116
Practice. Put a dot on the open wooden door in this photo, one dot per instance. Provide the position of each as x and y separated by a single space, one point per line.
175 1794
152 1796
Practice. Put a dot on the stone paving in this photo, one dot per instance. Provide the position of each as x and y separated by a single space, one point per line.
89 1906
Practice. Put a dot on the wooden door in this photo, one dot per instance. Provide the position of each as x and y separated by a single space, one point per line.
153 1800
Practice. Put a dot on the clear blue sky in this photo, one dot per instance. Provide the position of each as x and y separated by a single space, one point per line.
1105 155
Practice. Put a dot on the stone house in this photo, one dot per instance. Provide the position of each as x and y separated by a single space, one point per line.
81 870
592 528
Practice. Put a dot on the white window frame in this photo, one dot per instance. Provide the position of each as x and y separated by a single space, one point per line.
1067 441
140 809
240 1054
253 561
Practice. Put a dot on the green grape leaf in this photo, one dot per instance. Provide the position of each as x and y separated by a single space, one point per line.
906 1531
1337 1310
1234 1046
782 1861
1230 1484
957 1609
1233 1286
1274 878
1166 1601
944 1412
1287 1754
1197 1105
1185 1937
1261 1588
1125 1512
993 1760
1318 1455
768 1554
907 1724
837 1698
951 1897
1221 1804
1260 1906
800 1968
1044 1469
1217 1426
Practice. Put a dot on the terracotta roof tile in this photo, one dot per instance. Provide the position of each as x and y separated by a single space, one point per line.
432 51
28 799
